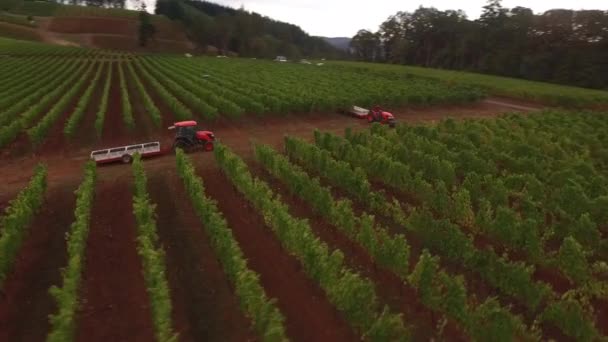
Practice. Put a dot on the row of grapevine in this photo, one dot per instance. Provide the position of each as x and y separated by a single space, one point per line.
26 48
267 319
526 290
276 102
38 132
512 279
16 218
224 104
34 104
103 105
389 251
127 112
70 126
352 295
248 103
63 322
511 207
148 103
46 84
20 82
417 173
180 111
438 290
152 256
181 92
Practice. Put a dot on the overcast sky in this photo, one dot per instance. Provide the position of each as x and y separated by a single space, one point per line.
343 18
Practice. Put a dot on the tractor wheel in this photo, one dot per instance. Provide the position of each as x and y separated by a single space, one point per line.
126 159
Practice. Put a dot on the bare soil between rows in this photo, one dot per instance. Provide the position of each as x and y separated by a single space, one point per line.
113 292
205 307
25 302
309 315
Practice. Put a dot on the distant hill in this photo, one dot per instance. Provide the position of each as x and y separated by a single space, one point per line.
342 43
89 26
248 34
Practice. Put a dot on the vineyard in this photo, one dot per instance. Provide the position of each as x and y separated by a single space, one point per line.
83 86
303 224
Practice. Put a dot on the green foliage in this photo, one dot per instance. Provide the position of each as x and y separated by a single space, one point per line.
30 107
103 104
180 111
72 123
572 261
568 314
17 20
16 218
148 103
152 256
63 322
490 321
385 249
38 132
267 319
127 111
352 295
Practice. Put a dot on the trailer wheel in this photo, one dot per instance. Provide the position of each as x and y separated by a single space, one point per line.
126 159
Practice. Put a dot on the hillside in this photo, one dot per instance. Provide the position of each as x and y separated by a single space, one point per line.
342 43
89 27
245 33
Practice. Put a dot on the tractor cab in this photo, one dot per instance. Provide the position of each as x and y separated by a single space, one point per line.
187 136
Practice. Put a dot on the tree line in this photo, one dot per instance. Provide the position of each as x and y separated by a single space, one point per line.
248 34
561 46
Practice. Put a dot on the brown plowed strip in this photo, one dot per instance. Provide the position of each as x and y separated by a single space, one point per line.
390 289
25 302
309 315
115 304
205 307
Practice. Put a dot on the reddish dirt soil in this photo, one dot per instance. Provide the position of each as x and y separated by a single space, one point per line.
113 294
131 43
390 289
309 316
25 302
117 26
204 305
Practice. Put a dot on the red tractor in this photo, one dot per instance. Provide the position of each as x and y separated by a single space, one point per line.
378 115
188 138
